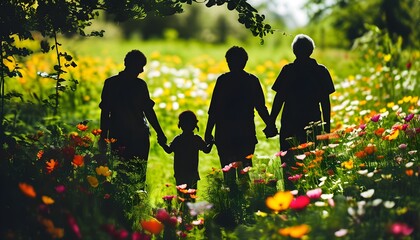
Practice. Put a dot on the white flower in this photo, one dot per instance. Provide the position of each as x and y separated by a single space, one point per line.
368 194
389 204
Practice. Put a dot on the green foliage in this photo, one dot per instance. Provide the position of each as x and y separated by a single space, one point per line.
398 18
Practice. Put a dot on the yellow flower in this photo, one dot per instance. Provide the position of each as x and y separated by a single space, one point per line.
104 171
295 231
93 181
280 201
348 164
47 200
387 57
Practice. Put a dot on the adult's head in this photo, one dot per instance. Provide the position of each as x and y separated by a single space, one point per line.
187 121
236 58
135 61
303 46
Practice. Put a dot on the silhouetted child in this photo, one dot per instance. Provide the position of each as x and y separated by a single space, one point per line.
302 90
186 147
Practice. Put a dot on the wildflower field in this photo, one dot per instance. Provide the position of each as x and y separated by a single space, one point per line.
361 182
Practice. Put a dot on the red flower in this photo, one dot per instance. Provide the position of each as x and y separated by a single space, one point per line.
78 160
300 202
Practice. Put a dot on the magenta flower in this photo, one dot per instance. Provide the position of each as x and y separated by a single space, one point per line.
60 189
409 117
375 118
162 215
401 229
168 198
300 202
294 178
314 193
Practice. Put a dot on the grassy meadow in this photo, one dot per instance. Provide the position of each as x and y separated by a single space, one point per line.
375 119
180 75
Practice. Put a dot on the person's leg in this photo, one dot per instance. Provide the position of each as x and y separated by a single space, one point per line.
226 158
288 160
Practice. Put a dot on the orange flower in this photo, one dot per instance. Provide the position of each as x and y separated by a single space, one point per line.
93 181
78 160
360 154
280 201
299 164
96 132
47 200
82 127
110 140
378 132
153 226
27 189
104 171
327 136
409 172
305 145
249 156
370 149
51 165
39 154
295 231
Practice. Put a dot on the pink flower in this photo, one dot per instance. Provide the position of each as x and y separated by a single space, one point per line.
375 118
245 170
280 154
314 193
283 165
362 126
226 168
300 202
399 228
294 178
402 146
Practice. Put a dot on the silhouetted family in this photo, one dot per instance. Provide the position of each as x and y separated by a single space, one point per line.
302 97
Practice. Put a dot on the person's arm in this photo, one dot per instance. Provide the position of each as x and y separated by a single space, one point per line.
270 130
208 136
152 118
165 147
277 105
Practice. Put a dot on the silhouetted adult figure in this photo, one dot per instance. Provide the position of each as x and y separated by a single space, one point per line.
235 97
303 87
126 110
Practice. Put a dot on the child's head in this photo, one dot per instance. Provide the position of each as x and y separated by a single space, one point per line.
303 46
236 58
187 121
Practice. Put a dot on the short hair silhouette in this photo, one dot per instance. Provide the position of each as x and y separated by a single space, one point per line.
236 57
135 58
303 45
187 121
